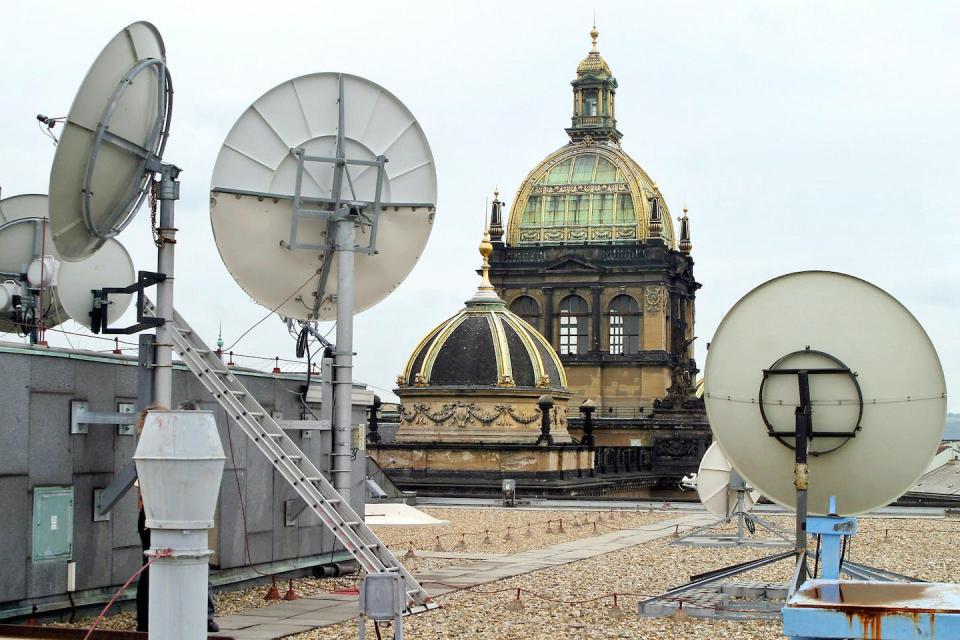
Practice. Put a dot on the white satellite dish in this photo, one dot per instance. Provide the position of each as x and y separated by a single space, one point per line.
24 248
275 173
110 266
718 485
112 141
875 427
67 286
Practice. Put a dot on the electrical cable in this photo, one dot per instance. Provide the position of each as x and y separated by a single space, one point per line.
163 553
272 311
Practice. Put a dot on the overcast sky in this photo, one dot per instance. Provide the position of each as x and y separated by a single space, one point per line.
802 135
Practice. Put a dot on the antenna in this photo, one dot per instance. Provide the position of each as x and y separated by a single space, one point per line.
303 151
728 498
851 361
827 396
34 278
322 199
110 149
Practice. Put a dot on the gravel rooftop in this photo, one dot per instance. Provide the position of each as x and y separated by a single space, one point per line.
575 601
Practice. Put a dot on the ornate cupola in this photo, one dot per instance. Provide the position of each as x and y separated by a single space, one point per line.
594 99
478 375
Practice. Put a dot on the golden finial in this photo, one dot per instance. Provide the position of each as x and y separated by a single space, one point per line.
593 34
486 248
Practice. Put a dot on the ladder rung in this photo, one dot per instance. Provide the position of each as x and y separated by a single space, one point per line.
202 352
255 414
278 436
237 393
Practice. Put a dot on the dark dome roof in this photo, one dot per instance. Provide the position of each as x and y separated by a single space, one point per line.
484 345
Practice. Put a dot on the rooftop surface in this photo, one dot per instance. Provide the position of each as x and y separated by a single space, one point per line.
567 579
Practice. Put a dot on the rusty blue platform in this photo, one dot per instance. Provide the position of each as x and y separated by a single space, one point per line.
872 610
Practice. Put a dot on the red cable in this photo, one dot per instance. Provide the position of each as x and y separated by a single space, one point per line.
162 553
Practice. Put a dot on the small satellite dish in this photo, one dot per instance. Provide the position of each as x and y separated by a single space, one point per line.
718 484
878 410
111 143
28 259
67 286
110 266
276 173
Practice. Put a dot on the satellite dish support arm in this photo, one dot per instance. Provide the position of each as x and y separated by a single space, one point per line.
101 305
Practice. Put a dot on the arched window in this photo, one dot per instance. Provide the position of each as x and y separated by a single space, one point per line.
528 309
574 316
624 325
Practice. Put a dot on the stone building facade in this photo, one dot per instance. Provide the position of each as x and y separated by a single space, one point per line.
591 257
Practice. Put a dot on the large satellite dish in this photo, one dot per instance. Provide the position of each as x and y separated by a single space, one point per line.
877 391
277 171
111 143
717 484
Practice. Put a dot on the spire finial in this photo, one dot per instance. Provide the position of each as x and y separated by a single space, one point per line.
684 244
485 292
594 33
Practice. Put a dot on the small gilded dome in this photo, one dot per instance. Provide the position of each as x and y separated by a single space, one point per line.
484 345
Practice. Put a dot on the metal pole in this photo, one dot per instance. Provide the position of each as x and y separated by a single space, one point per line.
168 193
343 361
803 423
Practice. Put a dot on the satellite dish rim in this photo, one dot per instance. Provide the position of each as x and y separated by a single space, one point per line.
921 344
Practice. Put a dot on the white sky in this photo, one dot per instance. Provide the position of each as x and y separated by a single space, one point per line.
800 134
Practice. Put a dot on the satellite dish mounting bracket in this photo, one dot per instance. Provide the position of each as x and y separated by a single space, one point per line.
149 153
101 302
806 404
803 433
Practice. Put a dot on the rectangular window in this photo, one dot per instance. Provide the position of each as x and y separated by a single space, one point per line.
624 212
531 214
603 208
578 208
568 334
616 335
553 213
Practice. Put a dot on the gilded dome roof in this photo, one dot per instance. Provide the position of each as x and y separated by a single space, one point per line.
586 192
590 191
484 345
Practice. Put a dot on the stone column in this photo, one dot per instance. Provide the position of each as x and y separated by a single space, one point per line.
595 303
548 314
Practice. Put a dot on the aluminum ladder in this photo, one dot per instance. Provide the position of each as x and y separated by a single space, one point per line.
287 458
